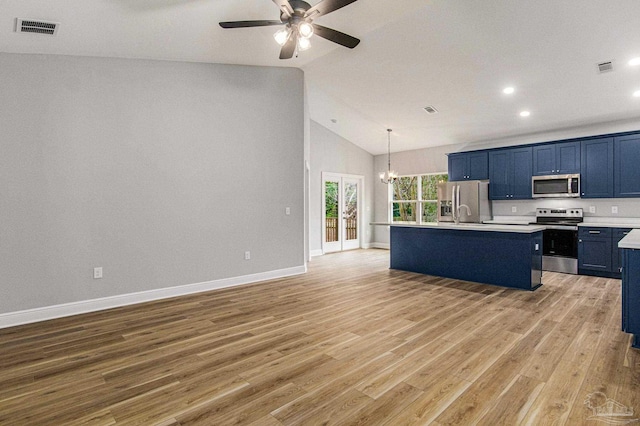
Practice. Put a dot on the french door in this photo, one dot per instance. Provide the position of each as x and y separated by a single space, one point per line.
341 212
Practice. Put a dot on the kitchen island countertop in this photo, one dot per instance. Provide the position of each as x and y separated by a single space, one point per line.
526 229
631 241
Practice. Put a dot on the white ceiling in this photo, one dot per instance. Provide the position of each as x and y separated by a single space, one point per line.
456 55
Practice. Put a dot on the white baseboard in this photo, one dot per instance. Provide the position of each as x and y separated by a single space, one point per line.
11 319
314 253
386 246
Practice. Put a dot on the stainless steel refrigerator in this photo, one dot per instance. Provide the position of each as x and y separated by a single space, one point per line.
464 201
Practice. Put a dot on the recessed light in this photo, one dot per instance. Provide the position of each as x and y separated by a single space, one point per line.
634 62
508 90
636 93
525 113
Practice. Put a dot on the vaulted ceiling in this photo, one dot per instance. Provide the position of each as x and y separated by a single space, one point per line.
454 55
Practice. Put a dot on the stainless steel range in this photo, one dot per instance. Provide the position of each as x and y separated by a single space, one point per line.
560 238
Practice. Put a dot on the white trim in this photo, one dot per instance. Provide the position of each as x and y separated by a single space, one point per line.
317 252
11 319
386 246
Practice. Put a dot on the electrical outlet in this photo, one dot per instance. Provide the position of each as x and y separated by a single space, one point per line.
97 273
287 211
514 209
614 209
592 209
247 255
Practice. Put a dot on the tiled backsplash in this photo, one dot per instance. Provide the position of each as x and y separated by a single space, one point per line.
627 207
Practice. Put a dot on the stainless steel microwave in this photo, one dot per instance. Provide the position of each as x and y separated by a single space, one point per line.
555 186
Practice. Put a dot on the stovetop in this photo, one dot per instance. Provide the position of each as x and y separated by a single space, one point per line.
571 216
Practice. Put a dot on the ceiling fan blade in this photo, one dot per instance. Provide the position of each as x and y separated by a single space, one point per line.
335 36
289 47
285 7
244 24
327 6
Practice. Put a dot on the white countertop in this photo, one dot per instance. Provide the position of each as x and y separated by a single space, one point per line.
524 229
631 241
611 224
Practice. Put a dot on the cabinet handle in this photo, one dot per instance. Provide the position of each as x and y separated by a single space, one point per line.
579 241
594 232
583 193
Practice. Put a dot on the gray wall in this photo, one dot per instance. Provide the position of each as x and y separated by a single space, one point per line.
332 153
162 173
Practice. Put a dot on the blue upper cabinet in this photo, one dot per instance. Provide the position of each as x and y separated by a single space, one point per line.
556 158
510 174
469 166
499 178
626 166
458 166
596 168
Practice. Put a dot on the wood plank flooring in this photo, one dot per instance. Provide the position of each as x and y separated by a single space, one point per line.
349 343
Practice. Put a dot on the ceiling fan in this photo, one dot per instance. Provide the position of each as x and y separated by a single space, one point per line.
297 16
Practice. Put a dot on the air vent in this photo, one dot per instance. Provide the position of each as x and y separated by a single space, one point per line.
605 66
36 26
430 110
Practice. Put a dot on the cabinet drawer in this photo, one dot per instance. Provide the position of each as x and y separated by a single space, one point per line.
620 233
594 232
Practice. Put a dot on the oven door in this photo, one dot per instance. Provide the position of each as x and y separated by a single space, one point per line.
560 250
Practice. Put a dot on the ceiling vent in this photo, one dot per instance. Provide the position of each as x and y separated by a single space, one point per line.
36 26
430 110
605 66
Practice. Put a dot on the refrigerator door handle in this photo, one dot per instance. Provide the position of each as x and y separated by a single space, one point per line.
458 201
453 202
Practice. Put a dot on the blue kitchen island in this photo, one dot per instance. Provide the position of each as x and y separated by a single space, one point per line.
503 255
630 246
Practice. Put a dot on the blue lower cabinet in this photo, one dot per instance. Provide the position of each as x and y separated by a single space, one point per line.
594 251
507 259
616 253
631 294
598 252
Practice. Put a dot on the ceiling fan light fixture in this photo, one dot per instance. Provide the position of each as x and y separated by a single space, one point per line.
281 36
303 43
305 30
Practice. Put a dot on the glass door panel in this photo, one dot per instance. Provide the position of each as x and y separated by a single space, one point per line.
332 208
340 215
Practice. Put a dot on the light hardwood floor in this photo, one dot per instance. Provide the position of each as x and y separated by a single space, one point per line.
350 342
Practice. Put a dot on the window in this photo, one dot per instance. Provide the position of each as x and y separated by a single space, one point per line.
416 197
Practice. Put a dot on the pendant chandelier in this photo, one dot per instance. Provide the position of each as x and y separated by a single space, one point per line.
388 177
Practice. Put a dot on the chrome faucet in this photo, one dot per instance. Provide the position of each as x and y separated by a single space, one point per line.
458 211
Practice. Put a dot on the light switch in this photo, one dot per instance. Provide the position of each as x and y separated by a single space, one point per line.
514 209
287 210
592 209
614 209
